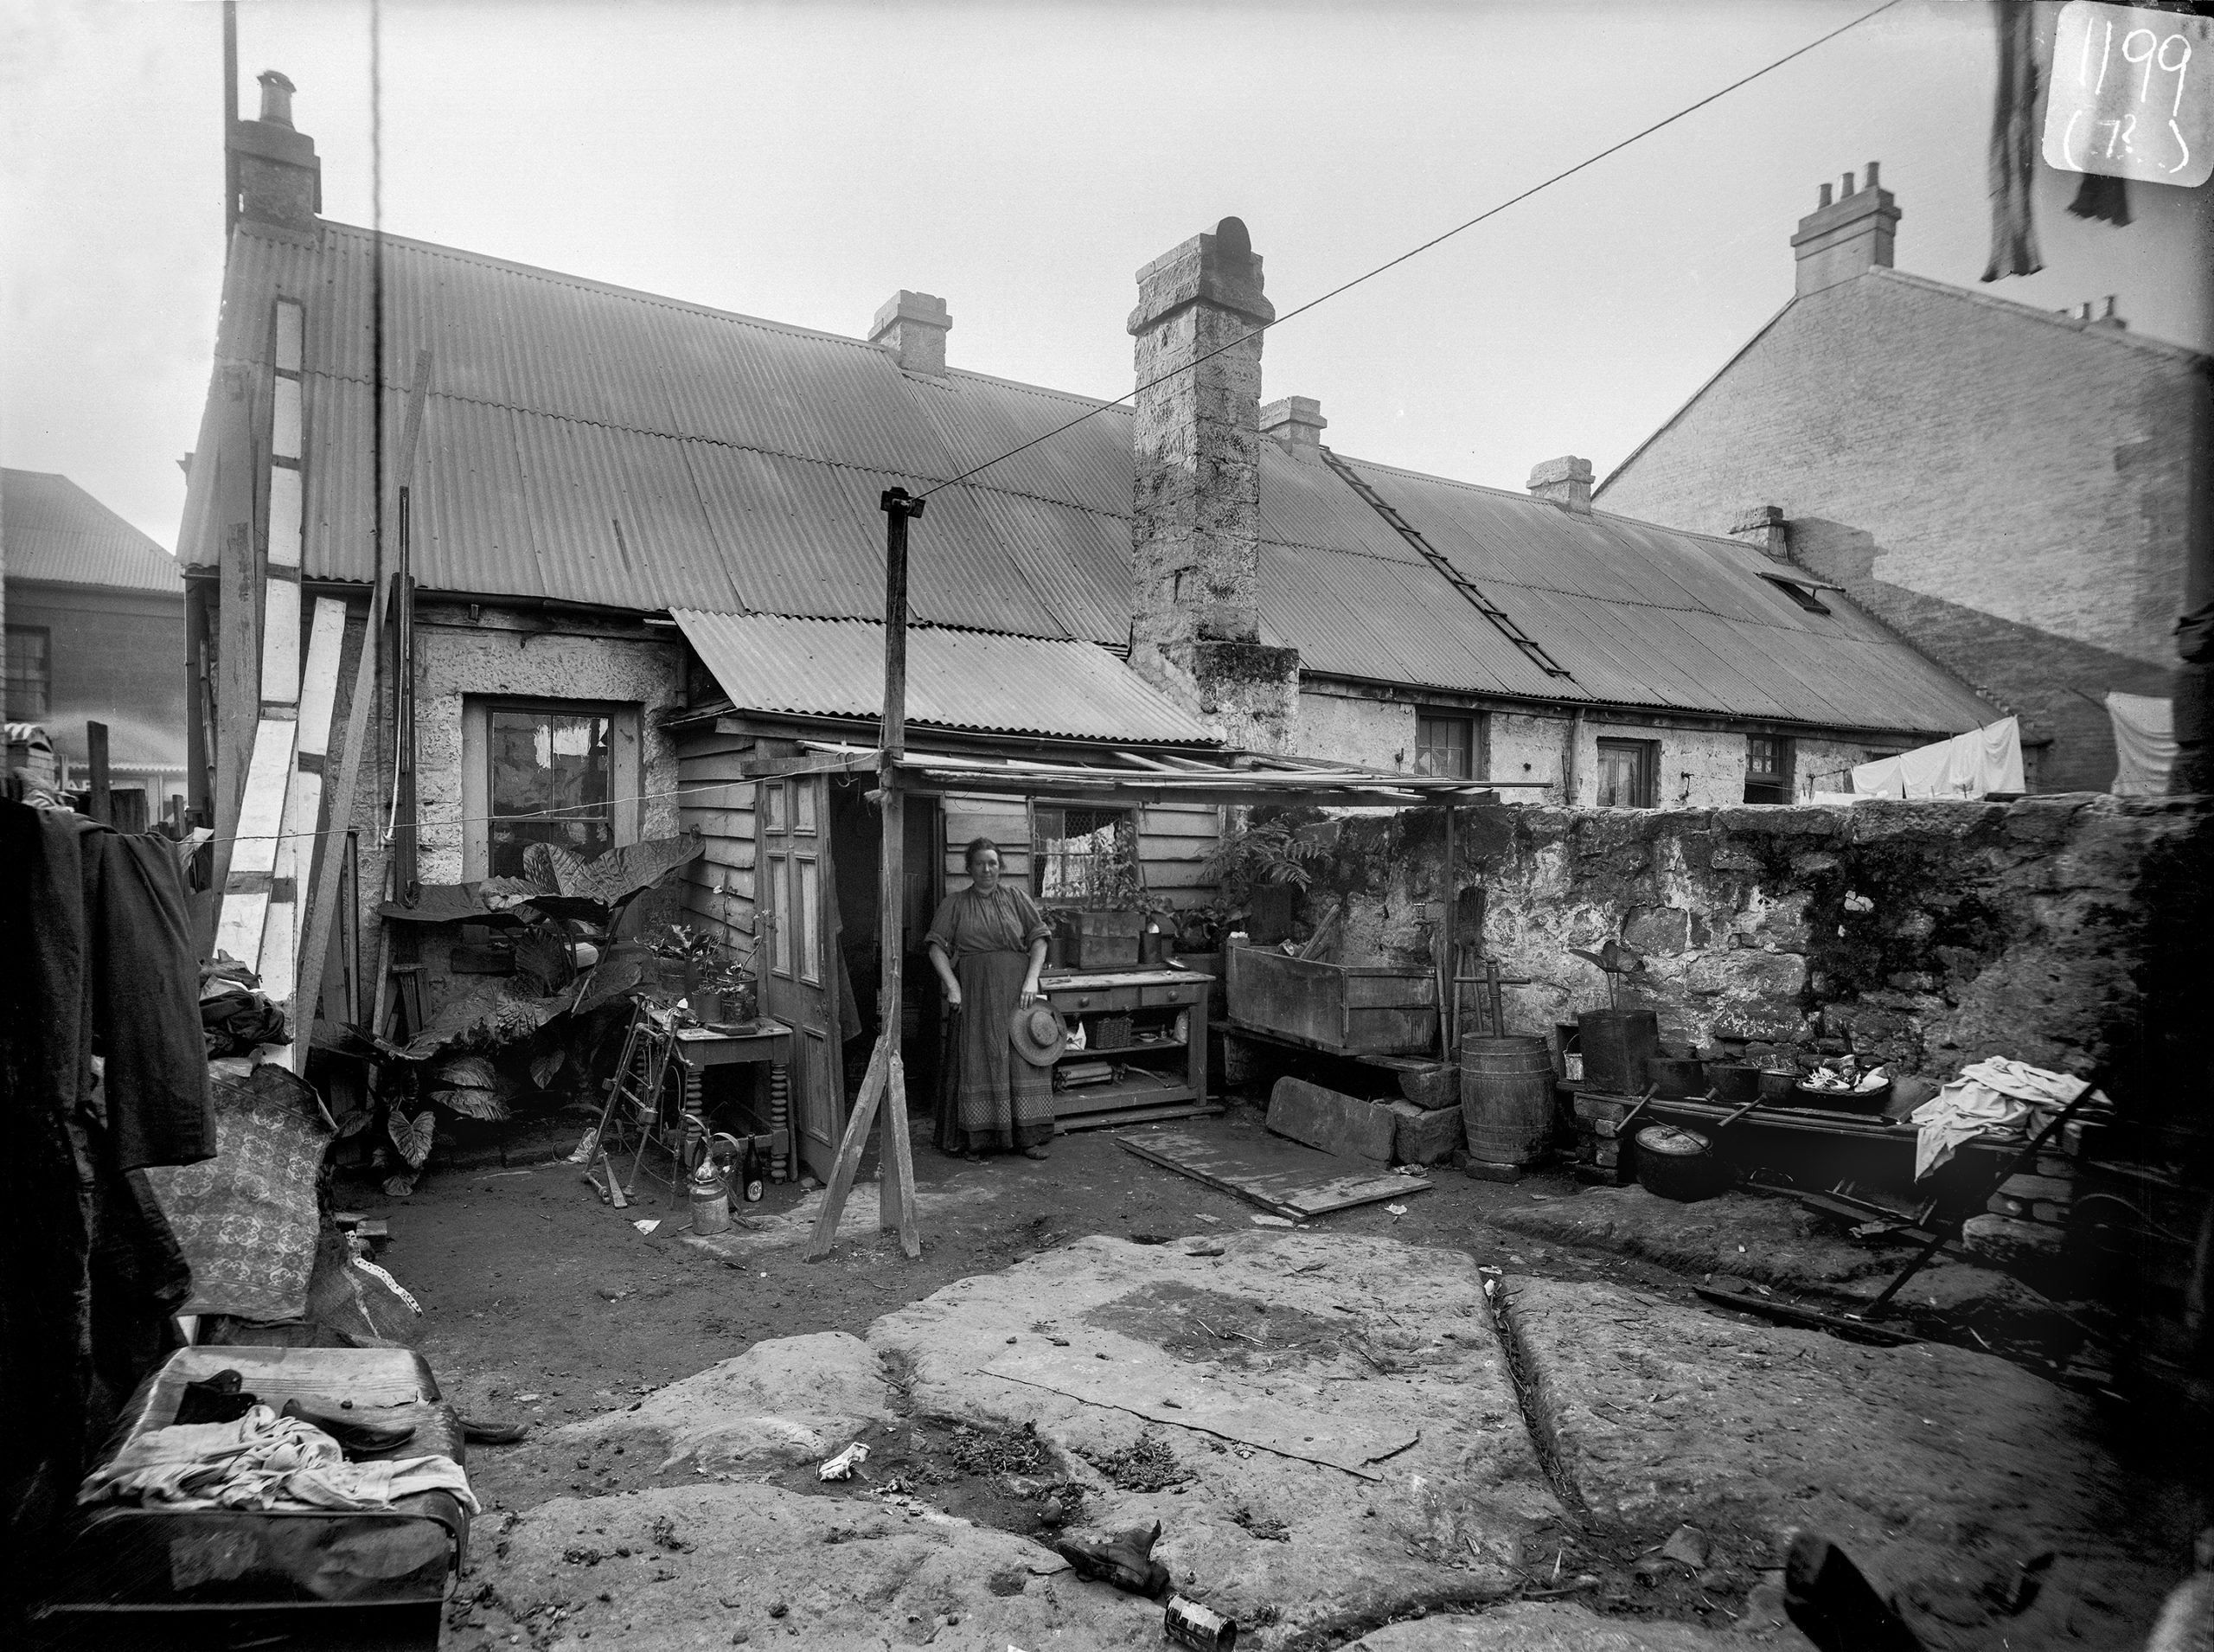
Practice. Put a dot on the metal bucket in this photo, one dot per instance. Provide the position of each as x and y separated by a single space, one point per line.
1617 1043
1506 1098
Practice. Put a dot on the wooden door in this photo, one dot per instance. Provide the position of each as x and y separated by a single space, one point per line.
792 820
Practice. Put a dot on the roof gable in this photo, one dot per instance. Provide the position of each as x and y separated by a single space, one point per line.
57 531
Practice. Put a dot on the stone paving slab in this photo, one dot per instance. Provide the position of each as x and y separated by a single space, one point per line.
709 1566
1367 1338
795 1399
1555 1626
1775 1240
1938 1469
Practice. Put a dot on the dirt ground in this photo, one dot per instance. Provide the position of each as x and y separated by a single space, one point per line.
530 1287
542 1304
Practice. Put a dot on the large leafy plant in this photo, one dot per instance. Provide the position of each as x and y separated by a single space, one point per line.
1618 959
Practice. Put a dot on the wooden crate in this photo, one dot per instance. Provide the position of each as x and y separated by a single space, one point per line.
1352 1008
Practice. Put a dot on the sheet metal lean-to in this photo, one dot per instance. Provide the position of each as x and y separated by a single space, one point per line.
957 679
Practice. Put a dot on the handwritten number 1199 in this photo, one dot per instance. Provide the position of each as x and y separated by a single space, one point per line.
2155 55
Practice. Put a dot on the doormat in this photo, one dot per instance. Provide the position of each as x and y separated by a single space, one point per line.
1283 1178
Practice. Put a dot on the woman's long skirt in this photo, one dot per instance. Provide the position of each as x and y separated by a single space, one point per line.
994 1100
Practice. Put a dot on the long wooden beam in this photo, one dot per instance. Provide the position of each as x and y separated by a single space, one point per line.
322 911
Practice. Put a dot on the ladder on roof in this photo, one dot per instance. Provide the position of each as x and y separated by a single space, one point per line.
1452 576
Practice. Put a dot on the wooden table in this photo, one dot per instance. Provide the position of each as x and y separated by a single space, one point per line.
696 1050
1152 997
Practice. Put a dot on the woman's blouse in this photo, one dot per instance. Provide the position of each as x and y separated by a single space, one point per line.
968 920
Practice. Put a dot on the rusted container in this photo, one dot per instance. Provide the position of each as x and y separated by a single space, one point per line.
1506 1099
1360 1009
1617 1043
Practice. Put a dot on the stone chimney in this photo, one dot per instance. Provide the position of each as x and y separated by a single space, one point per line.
1195 627
913 326
280 180
1565 481
1295 424
1839 240
1765 526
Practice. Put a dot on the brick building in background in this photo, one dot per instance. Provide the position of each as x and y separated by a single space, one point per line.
95 633
2006 486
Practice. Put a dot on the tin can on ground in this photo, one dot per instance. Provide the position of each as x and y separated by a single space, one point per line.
1189 1624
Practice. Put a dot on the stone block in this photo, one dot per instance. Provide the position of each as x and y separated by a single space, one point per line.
1424 1135
1592 1110
2007 1240
1664 931
1432 1084
1333 1122
1485 1170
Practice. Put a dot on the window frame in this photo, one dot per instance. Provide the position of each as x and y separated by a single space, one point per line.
1475 726
1041 858
625 721
45 635
1782 780
1648 753
1804 595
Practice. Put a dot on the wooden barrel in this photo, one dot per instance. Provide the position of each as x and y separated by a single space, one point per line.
1506 1098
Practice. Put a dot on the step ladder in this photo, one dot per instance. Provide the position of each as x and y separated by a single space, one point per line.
1452 576
634 1101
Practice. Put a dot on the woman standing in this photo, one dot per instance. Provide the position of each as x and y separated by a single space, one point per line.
987 943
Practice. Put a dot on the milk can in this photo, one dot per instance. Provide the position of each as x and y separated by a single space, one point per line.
710 1198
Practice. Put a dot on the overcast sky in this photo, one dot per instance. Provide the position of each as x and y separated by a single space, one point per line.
802 162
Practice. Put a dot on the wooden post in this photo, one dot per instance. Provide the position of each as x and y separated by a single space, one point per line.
406 883
887 1074
230 123
96 760
1449 1017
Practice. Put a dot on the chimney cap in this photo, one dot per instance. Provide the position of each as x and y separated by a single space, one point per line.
277 90
1217 266
925 307
1294 410
1567 468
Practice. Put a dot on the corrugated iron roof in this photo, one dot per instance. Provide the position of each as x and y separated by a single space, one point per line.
590 443
956 679
57 531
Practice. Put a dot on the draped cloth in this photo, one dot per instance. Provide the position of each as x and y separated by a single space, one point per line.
2013 154
994 1100
103 1072
1968 765
2144 744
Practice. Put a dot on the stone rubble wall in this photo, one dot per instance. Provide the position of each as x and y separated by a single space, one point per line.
2062 931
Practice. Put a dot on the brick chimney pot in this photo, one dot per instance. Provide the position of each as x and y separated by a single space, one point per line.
1565 481
913 326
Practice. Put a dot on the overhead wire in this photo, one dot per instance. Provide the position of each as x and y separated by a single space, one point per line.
1417 251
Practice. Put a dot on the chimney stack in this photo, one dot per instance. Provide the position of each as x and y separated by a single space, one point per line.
1295 424
913 326
1565 481
280 179
1840 238
1195 624
1764 525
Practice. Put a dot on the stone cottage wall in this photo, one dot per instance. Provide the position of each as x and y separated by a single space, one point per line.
2064 931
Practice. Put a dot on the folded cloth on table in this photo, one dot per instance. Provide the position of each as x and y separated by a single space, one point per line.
1989 1096
262 1460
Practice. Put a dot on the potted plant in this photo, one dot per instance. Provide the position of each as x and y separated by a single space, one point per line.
1261 872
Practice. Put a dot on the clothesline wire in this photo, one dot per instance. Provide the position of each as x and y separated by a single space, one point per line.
1417 251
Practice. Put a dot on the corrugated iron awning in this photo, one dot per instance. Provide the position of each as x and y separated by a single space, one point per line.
1133 778
956 679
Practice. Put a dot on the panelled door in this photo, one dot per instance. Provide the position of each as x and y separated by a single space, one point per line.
792 818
